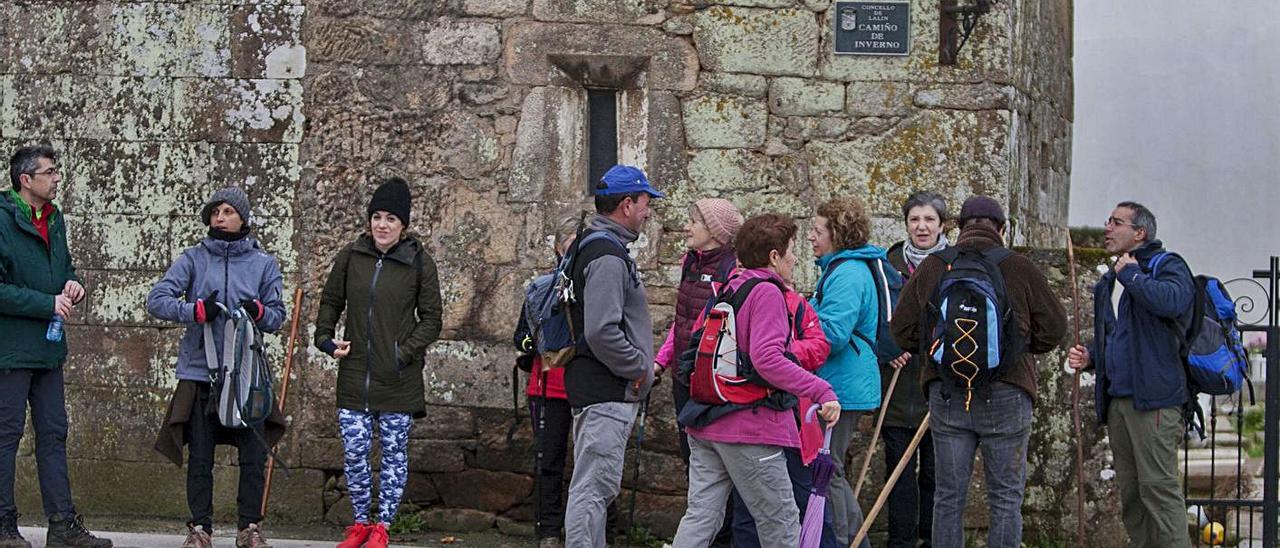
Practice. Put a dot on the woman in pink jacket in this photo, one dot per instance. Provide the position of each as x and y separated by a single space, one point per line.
744 449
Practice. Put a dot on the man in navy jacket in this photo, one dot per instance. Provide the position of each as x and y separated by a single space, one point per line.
1142 386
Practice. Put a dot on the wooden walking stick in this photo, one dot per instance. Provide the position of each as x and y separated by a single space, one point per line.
284 388
893 479
875 435
1075 394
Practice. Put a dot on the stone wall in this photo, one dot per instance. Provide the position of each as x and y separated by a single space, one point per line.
153 106
481 105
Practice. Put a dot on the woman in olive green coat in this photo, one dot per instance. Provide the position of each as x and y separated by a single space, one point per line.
387 283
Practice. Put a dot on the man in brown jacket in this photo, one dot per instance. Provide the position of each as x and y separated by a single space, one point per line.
995 415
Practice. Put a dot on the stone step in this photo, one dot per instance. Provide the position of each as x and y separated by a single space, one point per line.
1220 454
1219 473
1222 439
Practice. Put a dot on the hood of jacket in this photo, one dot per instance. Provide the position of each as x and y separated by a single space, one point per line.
624 234
980 236
865 252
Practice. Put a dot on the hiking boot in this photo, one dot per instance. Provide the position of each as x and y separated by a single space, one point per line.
69 532
356 535
197 537
550 542
377 536
9 535
251 537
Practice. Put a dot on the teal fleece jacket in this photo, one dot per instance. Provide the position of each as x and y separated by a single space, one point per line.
848 305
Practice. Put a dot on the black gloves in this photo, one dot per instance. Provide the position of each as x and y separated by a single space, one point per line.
253 308
207 308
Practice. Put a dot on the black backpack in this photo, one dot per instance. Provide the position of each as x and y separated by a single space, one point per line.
888 282
973 332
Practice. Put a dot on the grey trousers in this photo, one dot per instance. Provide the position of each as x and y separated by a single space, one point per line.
846 513
600 433
759 472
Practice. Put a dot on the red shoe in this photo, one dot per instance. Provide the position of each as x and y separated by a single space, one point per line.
377 536
356 535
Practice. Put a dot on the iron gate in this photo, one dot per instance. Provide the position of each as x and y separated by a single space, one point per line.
1230 477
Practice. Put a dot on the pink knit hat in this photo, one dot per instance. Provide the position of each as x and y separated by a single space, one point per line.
721 217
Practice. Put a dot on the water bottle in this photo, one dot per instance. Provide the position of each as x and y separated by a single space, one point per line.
54 333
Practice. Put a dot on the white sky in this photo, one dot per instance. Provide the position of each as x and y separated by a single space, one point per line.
1177 106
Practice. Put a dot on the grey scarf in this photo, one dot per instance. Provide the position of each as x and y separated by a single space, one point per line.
915 255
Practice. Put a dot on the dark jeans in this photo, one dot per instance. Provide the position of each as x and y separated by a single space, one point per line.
43 390
998 422
910 507
551 439
744 527
203 430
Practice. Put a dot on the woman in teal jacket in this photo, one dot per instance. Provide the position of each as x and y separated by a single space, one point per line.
846 303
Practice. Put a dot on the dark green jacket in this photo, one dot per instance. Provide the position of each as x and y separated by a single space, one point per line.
31 274
908 404
393 313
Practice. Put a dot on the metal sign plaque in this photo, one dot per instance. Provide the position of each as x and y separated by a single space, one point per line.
872 28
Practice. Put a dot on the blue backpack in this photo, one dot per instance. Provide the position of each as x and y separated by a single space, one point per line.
973 333
888 287
1212 348
547 302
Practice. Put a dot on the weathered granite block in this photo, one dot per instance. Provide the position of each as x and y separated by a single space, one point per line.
757 41
724 121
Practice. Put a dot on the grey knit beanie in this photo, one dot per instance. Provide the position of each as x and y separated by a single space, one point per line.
232 196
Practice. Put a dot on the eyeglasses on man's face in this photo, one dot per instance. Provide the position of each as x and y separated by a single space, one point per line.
48 171
1116 221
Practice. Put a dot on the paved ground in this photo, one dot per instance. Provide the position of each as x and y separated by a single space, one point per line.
35 535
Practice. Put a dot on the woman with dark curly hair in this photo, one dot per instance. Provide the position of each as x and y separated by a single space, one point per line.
845 299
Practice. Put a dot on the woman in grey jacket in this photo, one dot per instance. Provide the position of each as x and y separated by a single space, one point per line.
227 269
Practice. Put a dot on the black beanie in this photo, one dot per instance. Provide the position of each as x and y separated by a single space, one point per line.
392 196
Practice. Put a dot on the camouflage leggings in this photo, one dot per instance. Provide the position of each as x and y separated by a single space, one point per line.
357 443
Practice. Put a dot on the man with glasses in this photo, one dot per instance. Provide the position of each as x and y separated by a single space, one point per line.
38 286
1141 386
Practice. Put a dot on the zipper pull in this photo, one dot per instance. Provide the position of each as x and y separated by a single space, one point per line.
379 263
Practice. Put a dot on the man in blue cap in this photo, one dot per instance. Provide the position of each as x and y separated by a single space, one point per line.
612 370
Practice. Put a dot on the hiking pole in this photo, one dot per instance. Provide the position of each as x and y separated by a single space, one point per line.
284 389
635 476
1075 394
539 435
893 479
875 435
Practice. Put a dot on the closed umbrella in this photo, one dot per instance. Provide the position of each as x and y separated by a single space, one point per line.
821 469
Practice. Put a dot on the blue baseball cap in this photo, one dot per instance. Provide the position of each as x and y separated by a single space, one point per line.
621 179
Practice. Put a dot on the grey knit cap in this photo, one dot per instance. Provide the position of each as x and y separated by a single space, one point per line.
232 196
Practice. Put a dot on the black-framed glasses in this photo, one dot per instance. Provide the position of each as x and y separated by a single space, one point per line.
49 171
1116 221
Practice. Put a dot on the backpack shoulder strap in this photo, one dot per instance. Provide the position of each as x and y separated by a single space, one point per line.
948 255
228 343
739 296
1157 260
585 251
884 299
997 254
822 281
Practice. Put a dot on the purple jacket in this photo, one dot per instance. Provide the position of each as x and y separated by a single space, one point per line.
762 327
